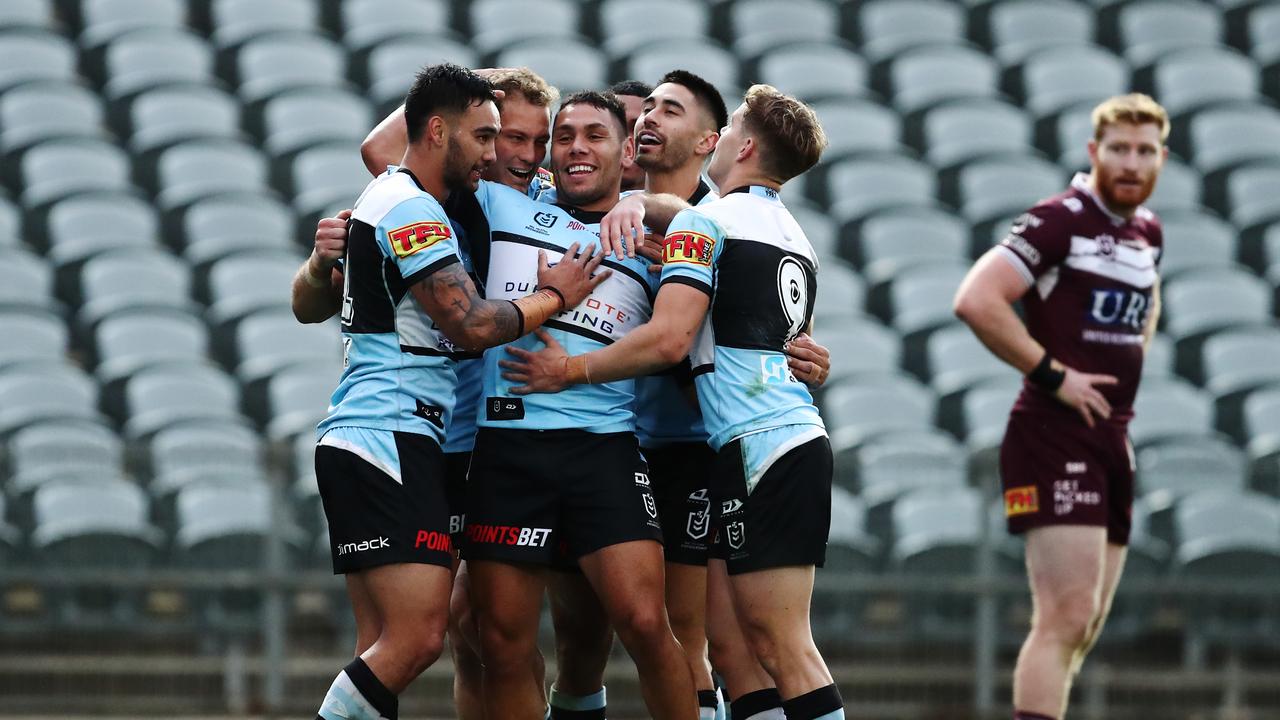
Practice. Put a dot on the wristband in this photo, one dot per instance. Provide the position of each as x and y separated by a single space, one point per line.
559 294
312 279
1045 376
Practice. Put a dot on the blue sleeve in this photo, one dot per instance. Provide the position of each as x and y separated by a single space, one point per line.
690 250
417 236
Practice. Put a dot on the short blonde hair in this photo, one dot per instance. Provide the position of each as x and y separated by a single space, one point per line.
525 82
788 129
1132 109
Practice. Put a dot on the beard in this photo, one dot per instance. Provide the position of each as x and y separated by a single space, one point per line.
457 170
672 155
1124 198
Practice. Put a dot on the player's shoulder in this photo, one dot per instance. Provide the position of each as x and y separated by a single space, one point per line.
1149 224
394 197
1067 206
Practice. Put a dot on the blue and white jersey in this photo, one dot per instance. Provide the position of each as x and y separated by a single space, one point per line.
664 414
519 228
398 370
747 253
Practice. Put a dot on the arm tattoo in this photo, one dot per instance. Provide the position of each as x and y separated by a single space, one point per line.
456 305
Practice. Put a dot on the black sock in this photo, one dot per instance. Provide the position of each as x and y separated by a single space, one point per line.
814 704
1024 715
754 703
382 699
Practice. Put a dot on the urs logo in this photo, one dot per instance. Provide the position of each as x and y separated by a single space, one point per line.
1021 500
1123 307
688 247
409 239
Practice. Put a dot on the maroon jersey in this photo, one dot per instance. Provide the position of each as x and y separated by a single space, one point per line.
1091 274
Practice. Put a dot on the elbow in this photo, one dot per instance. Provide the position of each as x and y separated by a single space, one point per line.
672 350
369 153
964 307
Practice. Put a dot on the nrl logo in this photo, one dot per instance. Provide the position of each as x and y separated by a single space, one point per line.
650 507
737 534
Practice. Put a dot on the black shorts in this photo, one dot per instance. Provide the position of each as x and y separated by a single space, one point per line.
784 521
374 520
680 473
531 492
455 487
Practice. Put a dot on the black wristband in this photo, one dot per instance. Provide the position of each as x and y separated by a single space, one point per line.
1043 375
520 317
552 288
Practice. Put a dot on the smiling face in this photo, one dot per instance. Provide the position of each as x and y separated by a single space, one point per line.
669 128
1126 161
587 150
470 150
521 145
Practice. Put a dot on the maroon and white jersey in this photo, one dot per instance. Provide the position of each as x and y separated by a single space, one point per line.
1091 274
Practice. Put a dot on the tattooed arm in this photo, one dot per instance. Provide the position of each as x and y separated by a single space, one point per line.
474 323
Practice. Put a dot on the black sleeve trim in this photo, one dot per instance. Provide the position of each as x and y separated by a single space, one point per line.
686 280
422 274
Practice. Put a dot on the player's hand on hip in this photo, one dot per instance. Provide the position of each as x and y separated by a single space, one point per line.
809 361
331 240
575 276
1080 391
541 371
622 228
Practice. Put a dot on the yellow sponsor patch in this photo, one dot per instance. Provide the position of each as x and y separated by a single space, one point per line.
688 247
409 239
1021 500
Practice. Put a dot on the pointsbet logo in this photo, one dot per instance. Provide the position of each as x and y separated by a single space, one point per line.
508 535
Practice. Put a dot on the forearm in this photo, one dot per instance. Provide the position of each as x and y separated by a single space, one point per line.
660 209
998 327
1153 320
642 351
386 143
489 323
315 295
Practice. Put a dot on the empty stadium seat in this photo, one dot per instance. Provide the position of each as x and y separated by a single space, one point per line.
49 391
1260 432
1178 188
199 169
964 130
874 405
161 397
27 14
1196 303
1166 473
44 451
956 360
1159 358
859 186
568 65
148 59
936 532
325 175
984 413
759 25
31 55
1014 30
926 76
842 293
106 20
297 397
1058 77
1073 129
888 242
125 342
270 341
1149 29
1235 362
219 226
498 23
369 23
1251 193
1224 137
31 336
703 58
1167 410
850 548
271 65
991 188
298 119
858 345
239 21
627 25
888 471
81 227
1199 76
818 229
28 286
1194 240
814 72
888 27
391 65
248 282
113 282
858 126
60 168
41 111
1262 27
920 298
199 448
166 116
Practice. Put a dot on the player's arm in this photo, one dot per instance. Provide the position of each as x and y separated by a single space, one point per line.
809 361
475 323
678 314
386 142
629 217
985 303
316 291
1153 316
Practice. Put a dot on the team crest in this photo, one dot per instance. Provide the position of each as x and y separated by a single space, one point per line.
736 533
1106 247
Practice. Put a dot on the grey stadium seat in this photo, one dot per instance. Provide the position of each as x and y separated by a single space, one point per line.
1179 188
247 282
298 119
1200 302
30 55
150 59
874 405
498 23
1058 77
1159 358
935 533
219 226
1251 193
297 398
113 282
41 111
859 345
814 72
198 449
1261 432
1193 78
106 20
1194 240
957 360
31 336
818 229
860 186
238 21
704 58
49 391
1227 136
1148 29
28 14
758 25
199 169
984 412
841 294
270 341
920 298
929 75
166 116
858 126
1166 473
10 225
61 168
567 64
161 397
1263 28
1071 135
1017 29
125 342
273 64
1170 410
368 23
850 547
964 130
888 471
888 27
28 286
81 227
390 66
1235 361
47 450
627 25
992 188
324 175
888 242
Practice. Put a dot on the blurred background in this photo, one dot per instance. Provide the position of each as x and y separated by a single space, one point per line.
162 549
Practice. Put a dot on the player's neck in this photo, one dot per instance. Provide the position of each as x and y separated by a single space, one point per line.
681 182
1125 212
430 175
603 205
744 177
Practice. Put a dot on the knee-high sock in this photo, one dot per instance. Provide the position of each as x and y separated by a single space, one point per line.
358 694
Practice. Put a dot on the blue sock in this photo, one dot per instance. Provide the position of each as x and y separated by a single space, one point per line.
357 694
721 711
574 707
824 703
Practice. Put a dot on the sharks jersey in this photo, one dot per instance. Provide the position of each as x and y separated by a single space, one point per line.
748 253
397 368
664 414
518 229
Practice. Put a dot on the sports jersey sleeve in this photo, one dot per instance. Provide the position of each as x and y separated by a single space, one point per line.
417 237
1039 239
689 251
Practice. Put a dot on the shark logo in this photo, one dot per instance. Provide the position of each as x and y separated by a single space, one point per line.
737 534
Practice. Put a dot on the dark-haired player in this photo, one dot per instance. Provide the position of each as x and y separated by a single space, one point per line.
1084 264
631 93
407 306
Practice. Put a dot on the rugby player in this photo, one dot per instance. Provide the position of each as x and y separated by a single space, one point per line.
771 488
631 93
407 306
1084 264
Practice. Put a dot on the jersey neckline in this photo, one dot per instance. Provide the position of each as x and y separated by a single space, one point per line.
759 191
